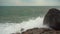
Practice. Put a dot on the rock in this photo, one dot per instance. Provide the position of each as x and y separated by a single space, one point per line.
41 31
52 19
16 33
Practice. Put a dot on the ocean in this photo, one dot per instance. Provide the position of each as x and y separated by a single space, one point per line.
15 18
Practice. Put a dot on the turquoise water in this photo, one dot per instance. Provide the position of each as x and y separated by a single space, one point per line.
16 14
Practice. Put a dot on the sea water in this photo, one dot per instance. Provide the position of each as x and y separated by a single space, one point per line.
15 18
9 28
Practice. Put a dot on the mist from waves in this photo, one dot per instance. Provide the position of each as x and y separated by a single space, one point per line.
8 28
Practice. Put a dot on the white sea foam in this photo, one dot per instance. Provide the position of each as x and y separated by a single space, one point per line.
9 28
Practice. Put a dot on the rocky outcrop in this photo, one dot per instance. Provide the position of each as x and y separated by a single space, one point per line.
41 31
52 19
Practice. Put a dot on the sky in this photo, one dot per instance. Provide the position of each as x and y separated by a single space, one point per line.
29 2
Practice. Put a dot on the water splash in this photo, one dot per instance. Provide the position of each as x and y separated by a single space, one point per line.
16 27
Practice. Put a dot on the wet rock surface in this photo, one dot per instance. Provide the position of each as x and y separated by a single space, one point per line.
41 31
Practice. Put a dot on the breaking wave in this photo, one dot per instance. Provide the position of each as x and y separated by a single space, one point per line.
9 28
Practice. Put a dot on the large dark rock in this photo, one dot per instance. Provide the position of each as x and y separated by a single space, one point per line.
52 19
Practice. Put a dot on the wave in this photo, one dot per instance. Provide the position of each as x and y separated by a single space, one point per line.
9 28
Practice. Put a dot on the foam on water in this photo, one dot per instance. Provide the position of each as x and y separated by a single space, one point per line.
9 28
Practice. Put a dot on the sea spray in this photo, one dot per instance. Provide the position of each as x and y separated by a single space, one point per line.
16 27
